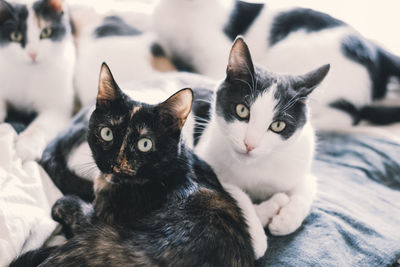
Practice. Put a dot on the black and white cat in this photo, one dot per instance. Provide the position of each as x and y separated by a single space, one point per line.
37 57
291 41
260 138
156 203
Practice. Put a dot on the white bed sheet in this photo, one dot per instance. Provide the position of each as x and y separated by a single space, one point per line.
26 197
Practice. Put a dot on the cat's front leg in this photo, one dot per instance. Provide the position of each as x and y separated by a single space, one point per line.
292 215
73 214
267 209
31 142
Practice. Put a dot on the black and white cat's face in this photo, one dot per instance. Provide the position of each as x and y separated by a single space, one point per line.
258 111
32 32
133 141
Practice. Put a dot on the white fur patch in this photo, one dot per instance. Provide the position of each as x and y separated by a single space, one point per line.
256 230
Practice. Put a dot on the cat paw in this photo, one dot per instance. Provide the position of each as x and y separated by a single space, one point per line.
72 213
271 207
67 210
29 147
285 222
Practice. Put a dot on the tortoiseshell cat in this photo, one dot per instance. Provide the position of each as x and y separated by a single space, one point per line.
156 203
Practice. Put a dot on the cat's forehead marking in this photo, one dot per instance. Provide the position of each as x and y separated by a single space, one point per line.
116 121
143 131
124 145
134 110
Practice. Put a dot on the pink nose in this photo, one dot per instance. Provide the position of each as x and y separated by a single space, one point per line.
248 147
33 55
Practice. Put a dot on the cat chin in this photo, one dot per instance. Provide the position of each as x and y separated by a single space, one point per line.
246 158
115 179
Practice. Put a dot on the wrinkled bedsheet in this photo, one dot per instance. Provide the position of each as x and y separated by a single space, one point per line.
26 196
355 218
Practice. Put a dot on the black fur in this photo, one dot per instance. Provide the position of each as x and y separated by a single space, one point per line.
182 64
12 18
157 50
19 119
300 19
44 10
164 207
379 115
115 26
33 258
55 157
381 65
241 18
347 107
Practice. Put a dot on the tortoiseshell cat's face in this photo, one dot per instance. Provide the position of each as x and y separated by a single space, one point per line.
133 141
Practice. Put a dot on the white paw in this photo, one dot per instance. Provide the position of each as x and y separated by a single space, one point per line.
286 222
29 147
271 207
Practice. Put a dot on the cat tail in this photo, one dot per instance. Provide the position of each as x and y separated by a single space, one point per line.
33 258
55 157
378 115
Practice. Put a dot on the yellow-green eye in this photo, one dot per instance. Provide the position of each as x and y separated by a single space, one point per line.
242 111
277 126
46 33
16 37
145 144
106 134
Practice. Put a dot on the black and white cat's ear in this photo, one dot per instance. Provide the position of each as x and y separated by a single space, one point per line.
240 64
179 105
5 11
306 83
108 90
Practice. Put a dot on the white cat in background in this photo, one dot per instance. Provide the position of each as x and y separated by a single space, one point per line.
37 58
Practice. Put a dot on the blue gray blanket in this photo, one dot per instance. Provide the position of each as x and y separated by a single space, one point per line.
355 219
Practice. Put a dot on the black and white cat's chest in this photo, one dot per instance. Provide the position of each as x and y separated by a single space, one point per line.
258 176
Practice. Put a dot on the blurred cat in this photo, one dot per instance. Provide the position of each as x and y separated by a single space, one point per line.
37 57
293 41
127 49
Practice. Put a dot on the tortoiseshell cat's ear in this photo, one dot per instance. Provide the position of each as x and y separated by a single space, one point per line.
108 90
179 105
55 5
240 64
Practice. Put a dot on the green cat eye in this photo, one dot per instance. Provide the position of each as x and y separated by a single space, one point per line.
145 144
106 134
277 126
16 37
46 33
242 111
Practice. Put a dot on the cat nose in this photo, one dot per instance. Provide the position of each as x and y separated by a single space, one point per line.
33 55
248 147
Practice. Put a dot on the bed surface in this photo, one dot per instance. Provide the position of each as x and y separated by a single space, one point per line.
355 218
